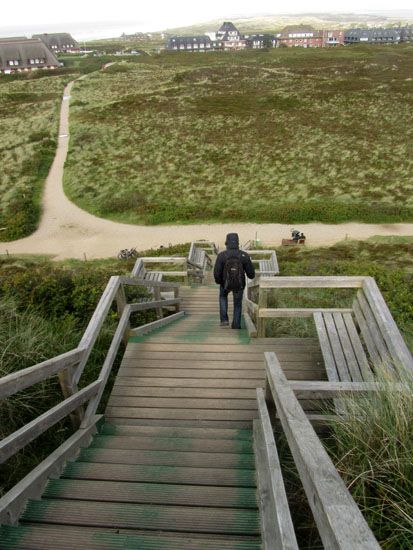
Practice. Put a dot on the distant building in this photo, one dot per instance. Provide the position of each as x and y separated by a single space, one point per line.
406 33
372 36
260 41
59 42
302 36
23 54
227 37
201 43
333 38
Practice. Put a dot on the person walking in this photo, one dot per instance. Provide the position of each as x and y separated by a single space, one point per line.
230 269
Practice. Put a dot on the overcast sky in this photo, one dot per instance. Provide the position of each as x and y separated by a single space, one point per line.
169 13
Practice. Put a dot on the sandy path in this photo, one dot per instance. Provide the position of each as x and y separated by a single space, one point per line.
66 231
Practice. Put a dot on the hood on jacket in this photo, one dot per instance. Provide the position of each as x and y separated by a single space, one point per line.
232 241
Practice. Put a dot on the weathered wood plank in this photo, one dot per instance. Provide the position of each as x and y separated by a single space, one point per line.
152 493
44 536
132 281
154 517
388 327
347 347
374 330
153 304
169 458
277 526
326 350
107 367
162 443
340 522
311 282
365 332
182 402
182 414
191 373
32 485
95 324
157 324
19 380
20 438
335 343
269 313
364 366
251 328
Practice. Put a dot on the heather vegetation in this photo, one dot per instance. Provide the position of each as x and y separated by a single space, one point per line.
28 128
265 136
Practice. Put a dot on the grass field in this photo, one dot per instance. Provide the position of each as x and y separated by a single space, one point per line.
29 114
28 133
265 136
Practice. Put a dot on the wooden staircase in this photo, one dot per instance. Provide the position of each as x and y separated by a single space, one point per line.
172 466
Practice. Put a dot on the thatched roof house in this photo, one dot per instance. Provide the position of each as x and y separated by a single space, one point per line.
59 42
23 54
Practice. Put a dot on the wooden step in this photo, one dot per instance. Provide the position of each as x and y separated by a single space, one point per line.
151 493
201 364
44 537
149 473
168 458
182 414
202 393
171 444
179 402
138 516
191 373
199 433
191 423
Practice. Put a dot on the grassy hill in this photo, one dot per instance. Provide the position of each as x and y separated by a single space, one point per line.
272 23
265 136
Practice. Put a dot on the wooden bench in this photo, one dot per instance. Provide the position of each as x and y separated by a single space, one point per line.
343 352
141 272
355 345
267 267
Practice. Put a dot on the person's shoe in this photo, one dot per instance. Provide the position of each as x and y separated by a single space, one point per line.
224 324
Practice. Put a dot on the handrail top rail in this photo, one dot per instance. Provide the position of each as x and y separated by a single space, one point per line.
310 282
136 281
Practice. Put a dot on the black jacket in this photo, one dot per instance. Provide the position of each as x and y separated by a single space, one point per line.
232 244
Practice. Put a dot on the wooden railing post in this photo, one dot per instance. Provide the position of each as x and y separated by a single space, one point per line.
121 303
262 303
157 297
176 296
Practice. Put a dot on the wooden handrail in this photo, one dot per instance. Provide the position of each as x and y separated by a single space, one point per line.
20 438
339 520
311 282
22 379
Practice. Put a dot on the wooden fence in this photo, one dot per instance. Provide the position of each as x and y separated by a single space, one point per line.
340 523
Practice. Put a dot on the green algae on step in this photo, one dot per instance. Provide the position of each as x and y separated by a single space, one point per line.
186 475
154 517
171 444
168 458
43 537
152 493
112 429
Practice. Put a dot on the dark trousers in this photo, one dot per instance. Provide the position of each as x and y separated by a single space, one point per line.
223 305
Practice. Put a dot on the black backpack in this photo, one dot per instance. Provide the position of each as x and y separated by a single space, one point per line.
233 274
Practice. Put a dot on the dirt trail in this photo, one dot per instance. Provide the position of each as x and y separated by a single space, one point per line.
66 231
